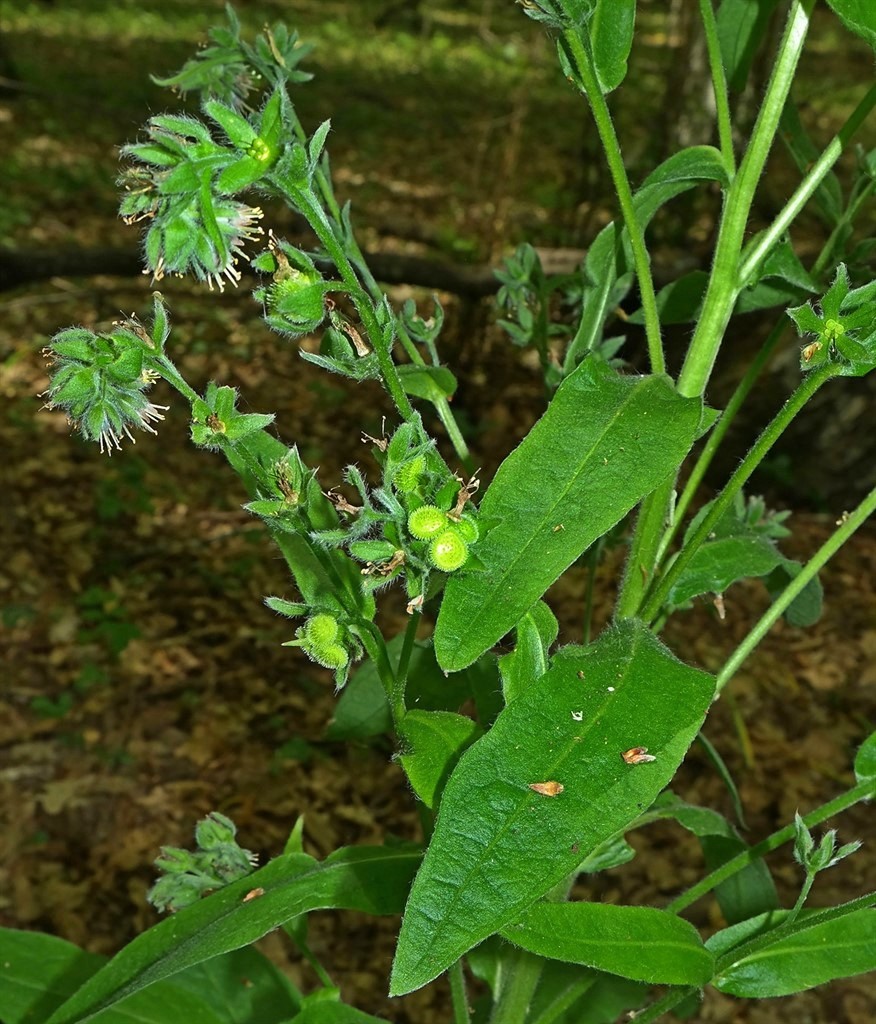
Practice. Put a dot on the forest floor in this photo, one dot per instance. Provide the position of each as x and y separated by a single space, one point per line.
144 681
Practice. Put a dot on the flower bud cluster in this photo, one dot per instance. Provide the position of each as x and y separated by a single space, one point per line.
418 522
100 380
295 300
218 861
183 183
844 328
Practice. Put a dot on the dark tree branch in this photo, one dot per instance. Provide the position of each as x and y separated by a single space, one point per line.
25 266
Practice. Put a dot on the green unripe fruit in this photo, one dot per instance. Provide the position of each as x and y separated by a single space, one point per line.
448 551
467 528
321 630
407 477
426 522
331 656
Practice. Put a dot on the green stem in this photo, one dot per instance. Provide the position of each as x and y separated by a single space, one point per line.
168 372
442 406
404 661
579 48
374 644
753 256
308 954
565 1000
848 217
819 171
445 414
763 357
863 791
849 524
663 1005
642 559
593 556
719 431
771 433
458 995
794 912
720 297
719 84
303 200
523 972
724 281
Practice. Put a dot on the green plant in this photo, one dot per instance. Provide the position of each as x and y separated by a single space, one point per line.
570 748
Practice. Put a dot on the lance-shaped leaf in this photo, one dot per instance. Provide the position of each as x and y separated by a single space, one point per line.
38 972
604 443
819 946
640 943
546 786
372 879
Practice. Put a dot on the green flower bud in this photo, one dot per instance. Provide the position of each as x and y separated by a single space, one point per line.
448 551
427 522
407 477
214 830
295 301
321 630
331 656
467 528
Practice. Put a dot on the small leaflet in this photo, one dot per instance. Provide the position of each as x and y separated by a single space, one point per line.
637 755
547 788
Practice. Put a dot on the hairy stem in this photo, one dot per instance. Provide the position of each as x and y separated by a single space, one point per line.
724 283
579 48
719 85
848 525
771 433
865 790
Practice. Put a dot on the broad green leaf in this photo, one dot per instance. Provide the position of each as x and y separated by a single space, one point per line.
816 949
363 711
859 16
429 382
498 844
865 760
371 879
534 634
324 1007
719 563
604 443
742 544
741 27
38 972
679 301
640 943
611 37
241 986
437 740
